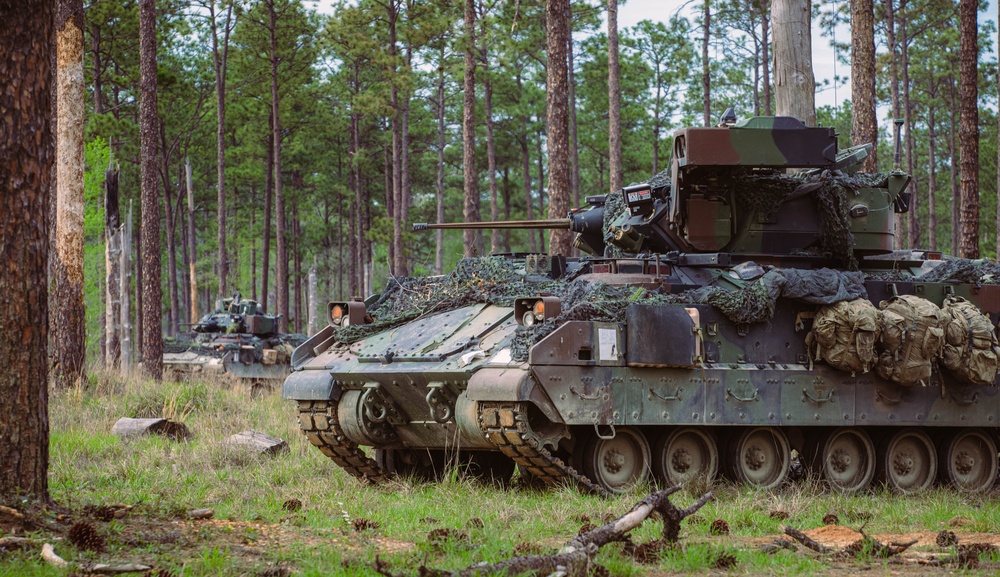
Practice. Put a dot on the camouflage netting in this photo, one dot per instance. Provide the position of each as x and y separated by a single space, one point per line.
755 303
765 193
964 270
496 280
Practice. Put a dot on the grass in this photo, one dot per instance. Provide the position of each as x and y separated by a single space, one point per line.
251 530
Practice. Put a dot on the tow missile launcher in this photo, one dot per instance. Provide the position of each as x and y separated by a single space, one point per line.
236 339
745 303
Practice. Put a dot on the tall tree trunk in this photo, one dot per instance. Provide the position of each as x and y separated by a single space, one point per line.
192 244
864 127
26 153
574 141
403 204
506 207
998 160
614 102
173 312
265 261
253 242
471 184
395 125
899 219
220 62
526 171
931 182
765 43
112 262
706 77
491 155
913 215
557 17
956 192
794 83
968 98
540 157
152 312
297 256
281 278
68 318
439 234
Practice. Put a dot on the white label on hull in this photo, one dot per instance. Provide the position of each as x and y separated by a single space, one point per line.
607 344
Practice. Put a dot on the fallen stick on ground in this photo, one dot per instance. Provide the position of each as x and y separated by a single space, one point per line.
575 559
806 540
50 557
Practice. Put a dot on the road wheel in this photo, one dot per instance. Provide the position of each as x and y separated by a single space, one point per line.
761 457
848 460
907 461
969 461
619 463
684 454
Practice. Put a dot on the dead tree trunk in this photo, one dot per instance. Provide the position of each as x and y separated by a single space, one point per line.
68 317
112 263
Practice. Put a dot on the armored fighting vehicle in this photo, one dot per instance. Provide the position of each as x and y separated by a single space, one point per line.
743 307
236 339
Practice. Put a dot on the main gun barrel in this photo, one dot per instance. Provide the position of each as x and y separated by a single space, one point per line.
522 224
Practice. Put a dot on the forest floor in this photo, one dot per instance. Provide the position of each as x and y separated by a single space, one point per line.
295 513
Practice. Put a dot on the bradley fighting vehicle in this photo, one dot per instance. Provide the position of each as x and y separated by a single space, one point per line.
744 304
237 339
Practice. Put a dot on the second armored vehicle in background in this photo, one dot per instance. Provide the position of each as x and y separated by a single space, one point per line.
237 339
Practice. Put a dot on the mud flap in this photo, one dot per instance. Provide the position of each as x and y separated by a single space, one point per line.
310 386
506 384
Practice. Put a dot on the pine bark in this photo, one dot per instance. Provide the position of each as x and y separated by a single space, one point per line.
152 313
899 219
68 317
574 141
765 47
192 245
491 154
912 216
706 77
931 182
526 170
173 312
557 15
26 152
794 82
219 61
439 234
864 127
265 261
281 278
471 183
113 233
614 102
968 97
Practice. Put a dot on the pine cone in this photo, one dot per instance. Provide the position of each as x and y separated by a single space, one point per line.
84 536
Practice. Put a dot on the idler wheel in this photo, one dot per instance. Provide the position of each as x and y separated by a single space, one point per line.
907 461
969 461
619 463
848 460
761 457
684 454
